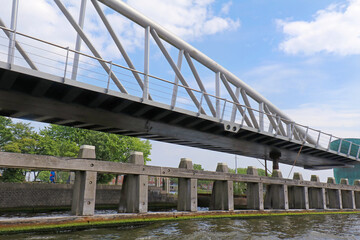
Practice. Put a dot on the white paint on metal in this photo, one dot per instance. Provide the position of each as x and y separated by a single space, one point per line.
78 40
14 16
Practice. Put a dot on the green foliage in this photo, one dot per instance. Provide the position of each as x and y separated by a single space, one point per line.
13 175
63 141
240 187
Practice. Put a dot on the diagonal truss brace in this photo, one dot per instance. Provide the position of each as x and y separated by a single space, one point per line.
235 99
199 82
118 44
176 69
89 44
19 48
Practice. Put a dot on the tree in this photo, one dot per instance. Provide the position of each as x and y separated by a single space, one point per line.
20 139
5 132
65 142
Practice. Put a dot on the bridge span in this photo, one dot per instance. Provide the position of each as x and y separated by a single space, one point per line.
37 83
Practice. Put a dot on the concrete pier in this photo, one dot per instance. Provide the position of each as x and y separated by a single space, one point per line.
317 198
187 189
281 193
334 195
276 194
347 196
222 197
134 192
84 191
254 192
298 195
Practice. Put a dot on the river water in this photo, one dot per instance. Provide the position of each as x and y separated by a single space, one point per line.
339 226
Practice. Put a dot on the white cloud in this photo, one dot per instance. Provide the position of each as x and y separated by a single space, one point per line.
333 30
226 7
189 19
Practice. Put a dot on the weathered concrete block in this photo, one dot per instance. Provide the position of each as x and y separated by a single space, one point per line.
347 196
317 198
87 151
357 194
276 196
333 195
134 192
187 189
254 192
222 197
84 191
298 196
136 158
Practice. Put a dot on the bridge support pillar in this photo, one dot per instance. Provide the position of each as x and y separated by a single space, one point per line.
347 196
134 192
334 195
276 194
84 189
274 156
317 198
222 197
357 194
187 189
298 195
254 192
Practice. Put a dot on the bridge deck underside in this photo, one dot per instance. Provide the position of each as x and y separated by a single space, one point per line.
37 96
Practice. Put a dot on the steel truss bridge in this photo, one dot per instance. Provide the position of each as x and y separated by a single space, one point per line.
46 82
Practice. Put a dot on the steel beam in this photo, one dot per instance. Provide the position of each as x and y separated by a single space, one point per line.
176 70
14 15
78 40
124 53
175 41
89 44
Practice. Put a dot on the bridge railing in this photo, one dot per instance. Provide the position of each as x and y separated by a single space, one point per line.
113 77
280 193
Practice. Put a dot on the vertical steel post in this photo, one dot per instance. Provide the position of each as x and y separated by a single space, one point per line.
146 63
109 77
318 139
234 110
217 93
78 40
261 116
176 85
329 142
223 112
348 153
66 62
14 15
340 146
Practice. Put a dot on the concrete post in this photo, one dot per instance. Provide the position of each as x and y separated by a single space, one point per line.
222 197
347 196
166 185
187 189
84 189
276 195
254 192
357 194
317 198
134 191
334 195
298 196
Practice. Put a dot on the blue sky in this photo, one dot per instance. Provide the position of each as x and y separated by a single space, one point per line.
303 56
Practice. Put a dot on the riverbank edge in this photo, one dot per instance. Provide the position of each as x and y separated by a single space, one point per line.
42 224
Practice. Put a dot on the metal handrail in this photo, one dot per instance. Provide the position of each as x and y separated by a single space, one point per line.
247 109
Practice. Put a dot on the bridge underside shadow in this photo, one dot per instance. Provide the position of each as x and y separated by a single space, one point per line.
33 95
